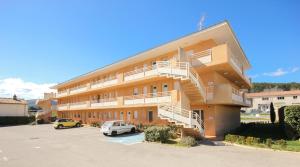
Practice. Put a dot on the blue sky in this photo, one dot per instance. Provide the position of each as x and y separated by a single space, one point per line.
46 42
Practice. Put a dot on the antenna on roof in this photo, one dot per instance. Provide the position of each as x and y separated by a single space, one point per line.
201 22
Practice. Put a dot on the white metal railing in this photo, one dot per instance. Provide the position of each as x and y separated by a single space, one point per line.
104 102
104 82
181 116
62 93
61 107
201 58
160 97
77 105
78 89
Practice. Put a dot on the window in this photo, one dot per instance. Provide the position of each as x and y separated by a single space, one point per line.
135 91
78 115
295 97
128 116
115 115
90 115
280 98
265 98
135 115
109 115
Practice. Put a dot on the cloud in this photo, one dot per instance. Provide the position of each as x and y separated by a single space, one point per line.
23 89
280 72
277 73
295 69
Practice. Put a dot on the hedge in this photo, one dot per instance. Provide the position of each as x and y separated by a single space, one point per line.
292 118
16 120
254 141
188 141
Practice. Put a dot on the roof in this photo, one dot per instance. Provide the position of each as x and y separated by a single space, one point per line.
274 93
12 101
221 33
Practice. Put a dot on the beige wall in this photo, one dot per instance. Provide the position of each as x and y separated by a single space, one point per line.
13 110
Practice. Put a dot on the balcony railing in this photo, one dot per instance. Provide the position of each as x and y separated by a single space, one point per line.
152 98
104 83
104 103
140 73
61 107
201 58
78 105
62 93
79 89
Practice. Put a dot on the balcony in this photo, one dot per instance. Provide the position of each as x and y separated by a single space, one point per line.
62 107
62 93
104 83
222 60
78 105
201 58
140 73
225 94
152 98
104 103
123 101
79 89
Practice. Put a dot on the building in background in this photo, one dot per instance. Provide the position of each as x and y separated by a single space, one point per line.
13 107
261 101
49 108
197 81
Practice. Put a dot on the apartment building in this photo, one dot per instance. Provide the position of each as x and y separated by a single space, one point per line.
197 81
261 101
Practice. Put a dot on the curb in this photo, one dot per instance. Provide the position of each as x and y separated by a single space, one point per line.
257 148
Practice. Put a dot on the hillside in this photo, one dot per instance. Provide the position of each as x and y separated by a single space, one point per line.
261 86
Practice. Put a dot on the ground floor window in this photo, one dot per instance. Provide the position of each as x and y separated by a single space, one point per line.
115 115
128 116
135 115
122 116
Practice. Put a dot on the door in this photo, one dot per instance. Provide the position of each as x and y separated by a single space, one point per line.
154 91
150 116
145 90
165 88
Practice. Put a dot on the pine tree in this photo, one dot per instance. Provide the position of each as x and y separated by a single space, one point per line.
272 113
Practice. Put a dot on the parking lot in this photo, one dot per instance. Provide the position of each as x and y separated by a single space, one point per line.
36 146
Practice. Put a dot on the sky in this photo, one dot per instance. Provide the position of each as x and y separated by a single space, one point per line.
50 41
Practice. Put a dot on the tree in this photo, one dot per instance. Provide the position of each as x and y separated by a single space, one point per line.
272 113
292 117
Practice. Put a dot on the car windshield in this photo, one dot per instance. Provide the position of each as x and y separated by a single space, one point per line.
107 123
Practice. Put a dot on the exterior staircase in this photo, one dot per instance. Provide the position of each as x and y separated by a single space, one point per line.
191 82
193 88
180 116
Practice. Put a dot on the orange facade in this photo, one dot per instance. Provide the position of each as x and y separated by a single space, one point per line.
197 81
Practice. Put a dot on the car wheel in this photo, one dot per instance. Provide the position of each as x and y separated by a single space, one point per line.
78 125
113 133
60 126
132 130
105 134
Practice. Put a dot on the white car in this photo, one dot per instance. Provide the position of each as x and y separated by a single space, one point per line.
117 127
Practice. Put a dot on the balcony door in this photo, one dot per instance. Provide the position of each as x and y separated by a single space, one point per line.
165 88
154 90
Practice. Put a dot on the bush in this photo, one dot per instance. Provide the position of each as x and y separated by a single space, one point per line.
292 118
252 140
96 124
241 139
282 143
173 131
157 134
16 120
188 141
269 143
